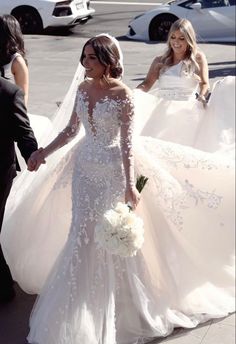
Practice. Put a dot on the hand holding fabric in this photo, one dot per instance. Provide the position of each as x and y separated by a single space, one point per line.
202 99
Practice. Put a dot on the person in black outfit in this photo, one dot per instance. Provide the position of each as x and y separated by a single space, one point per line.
14 127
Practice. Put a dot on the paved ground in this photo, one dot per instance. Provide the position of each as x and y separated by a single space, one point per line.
52 61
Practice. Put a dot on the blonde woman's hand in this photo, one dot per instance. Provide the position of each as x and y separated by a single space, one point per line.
203 100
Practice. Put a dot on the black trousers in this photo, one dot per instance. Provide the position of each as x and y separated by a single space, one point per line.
6 280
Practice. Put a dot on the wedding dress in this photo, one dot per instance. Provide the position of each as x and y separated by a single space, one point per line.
171 111
183 275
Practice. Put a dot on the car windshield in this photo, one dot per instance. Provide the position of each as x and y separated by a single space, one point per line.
213 3
205 3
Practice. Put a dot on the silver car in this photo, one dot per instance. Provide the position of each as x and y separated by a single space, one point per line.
213 20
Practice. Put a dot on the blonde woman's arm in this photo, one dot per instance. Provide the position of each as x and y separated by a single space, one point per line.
204 77
152 75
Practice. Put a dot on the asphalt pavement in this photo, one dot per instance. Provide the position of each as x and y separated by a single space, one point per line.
52 62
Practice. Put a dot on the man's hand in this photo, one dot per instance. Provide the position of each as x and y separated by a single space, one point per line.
35 160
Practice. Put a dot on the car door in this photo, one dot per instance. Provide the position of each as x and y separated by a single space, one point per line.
214 20
5 7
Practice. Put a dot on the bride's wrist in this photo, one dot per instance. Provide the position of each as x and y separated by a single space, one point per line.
43 152
129 186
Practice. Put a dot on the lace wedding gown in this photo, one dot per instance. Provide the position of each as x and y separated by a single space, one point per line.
171 112
182 276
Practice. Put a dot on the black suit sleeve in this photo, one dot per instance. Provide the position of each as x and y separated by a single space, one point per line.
23 133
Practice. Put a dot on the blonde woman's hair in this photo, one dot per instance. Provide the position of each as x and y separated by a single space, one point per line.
190 62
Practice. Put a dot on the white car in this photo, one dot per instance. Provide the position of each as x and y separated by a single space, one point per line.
213 20
36 15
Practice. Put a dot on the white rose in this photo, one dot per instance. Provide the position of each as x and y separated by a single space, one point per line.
113 243
121 208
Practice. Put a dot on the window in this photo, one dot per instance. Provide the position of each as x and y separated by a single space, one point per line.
214 3
208 3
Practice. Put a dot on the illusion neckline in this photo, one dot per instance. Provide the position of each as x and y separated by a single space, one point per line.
90 111
102 100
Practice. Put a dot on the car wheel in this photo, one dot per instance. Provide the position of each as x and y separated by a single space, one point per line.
29 19
160 26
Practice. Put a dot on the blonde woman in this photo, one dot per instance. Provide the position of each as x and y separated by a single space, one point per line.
182 51
180 113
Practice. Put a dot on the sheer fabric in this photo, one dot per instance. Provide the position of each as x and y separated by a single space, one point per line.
32 198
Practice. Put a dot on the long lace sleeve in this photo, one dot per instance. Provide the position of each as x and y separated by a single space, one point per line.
67 134
127 114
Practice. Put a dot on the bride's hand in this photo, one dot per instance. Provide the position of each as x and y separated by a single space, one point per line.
36 159
132 196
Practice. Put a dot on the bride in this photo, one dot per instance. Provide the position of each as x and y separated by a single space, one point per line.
178 109
182 276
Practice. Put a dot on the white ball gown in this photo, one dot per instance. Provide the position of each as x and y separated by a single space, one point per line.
171 111
182 276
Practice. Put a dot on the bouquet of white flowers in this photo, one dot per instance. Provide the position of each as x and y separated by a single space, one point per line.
121 232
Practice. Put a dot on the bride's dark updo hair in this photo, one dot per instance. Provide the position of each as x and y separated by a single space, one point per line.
107 53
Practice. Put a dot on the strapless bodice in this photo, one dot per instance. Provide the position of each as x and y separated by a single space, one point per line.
177 84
